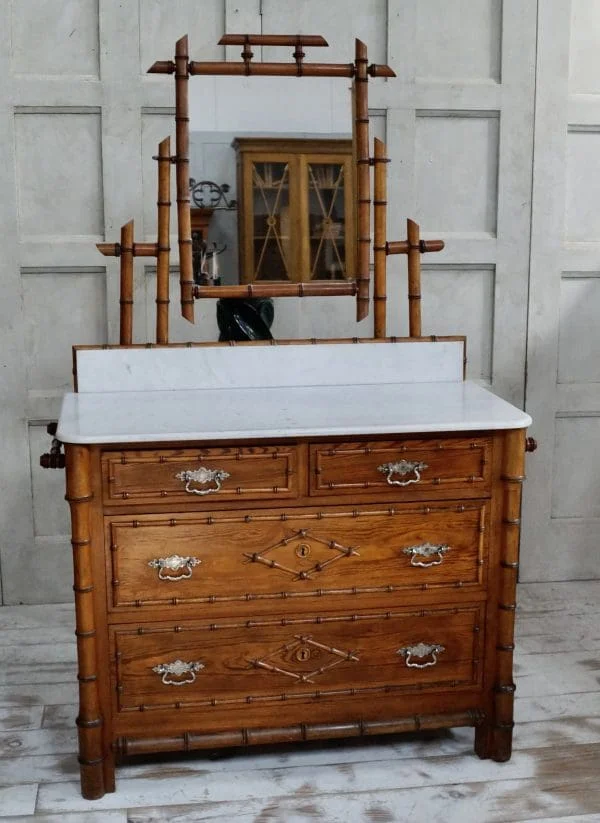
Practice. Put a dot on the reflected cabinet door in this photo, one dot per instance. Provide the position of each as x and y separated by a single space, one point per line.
296 219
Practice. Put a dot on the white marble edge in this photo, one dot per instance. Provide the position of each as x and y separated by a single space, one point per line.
306 411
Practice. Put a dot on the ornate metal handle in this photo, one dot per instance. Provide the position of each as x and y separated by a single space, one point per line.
421 650
174 563
426 550
402 467
178 668
203 475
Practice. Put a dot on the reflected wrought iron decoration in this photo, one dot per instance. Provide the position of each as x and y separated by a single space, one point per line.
208 195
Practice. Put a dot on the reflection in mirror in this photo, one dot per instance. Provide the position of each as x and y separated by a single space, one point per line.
283 148
294 214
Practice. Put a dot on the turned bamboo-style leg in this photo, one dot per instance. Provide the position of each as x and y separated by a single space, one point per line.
95 776
363 178
182 146
163 248
379 232
494 738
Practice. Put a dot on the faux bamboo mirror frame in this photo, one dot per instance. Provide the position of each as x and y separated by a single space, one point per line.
358 72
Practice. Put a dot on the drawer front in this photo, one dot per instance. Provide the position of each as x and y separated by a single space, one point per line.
402 468
200 475
239 556
228 665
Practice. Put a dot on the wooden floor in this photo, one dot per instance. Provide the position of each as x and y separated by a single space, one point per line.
554 773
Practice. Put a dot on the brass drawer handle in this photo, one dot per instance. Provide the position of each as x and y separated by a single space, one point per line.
402 467
202 476
174 563
178 668
433 550
421 650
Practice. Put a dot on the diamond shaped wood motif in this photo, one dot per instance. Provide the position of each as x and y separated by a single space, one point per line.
308 553
302 653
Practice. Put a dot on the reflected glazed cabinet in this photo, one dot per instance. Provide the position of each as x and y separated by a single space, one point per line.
244 590
296 209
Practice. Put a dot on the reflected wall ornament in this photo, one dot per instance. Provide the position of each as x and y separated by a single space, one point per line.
208 195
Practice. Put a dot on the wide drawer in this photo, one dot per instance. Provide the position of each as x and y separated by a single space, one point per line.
308 553
197 475
228 665
403 468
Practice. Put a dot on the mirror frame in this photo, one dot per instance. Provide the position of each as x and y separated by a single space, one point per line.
359 72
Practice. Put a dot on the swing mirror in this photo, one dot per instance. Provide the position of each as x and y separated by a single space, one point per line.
272 190
303 216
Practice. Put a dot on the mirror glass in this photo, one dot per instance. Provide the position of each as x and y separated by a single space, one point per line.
279 151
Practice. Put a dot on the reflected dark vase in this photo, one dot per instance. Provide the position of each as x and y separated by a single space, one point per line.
245 319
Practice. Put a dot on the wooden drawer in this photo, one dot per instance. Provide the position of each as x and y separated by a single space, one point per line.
403 469
232 557
190 475
221 667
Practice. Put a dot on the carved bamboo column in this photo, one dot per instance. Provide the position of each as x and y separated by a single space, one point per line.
182 150
379 231
363 178
414 247
126 298
494 738
163 248
89 721
414 279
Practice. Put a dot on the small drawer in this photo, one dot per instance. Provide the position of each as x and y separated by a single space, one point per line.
200 475
223 666
296 556
403 468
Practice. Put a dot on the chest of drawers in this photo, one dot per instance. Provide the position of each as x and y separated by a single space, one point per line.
293 590
300 569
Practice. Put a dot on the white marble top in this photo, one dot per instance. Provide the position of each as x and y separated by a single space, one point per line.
278 412
227 367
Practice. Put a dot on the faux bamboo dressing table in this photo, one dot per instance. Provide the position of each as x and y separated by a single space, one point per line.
295 541
299 561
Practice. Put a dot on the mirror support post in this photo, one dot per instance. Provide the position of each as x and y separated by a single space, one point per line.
413 247
363 178
182 145
379 231
162 245
126 298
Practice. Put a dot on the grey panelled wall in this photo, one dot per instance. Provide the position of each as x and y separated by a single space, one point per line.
80 120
